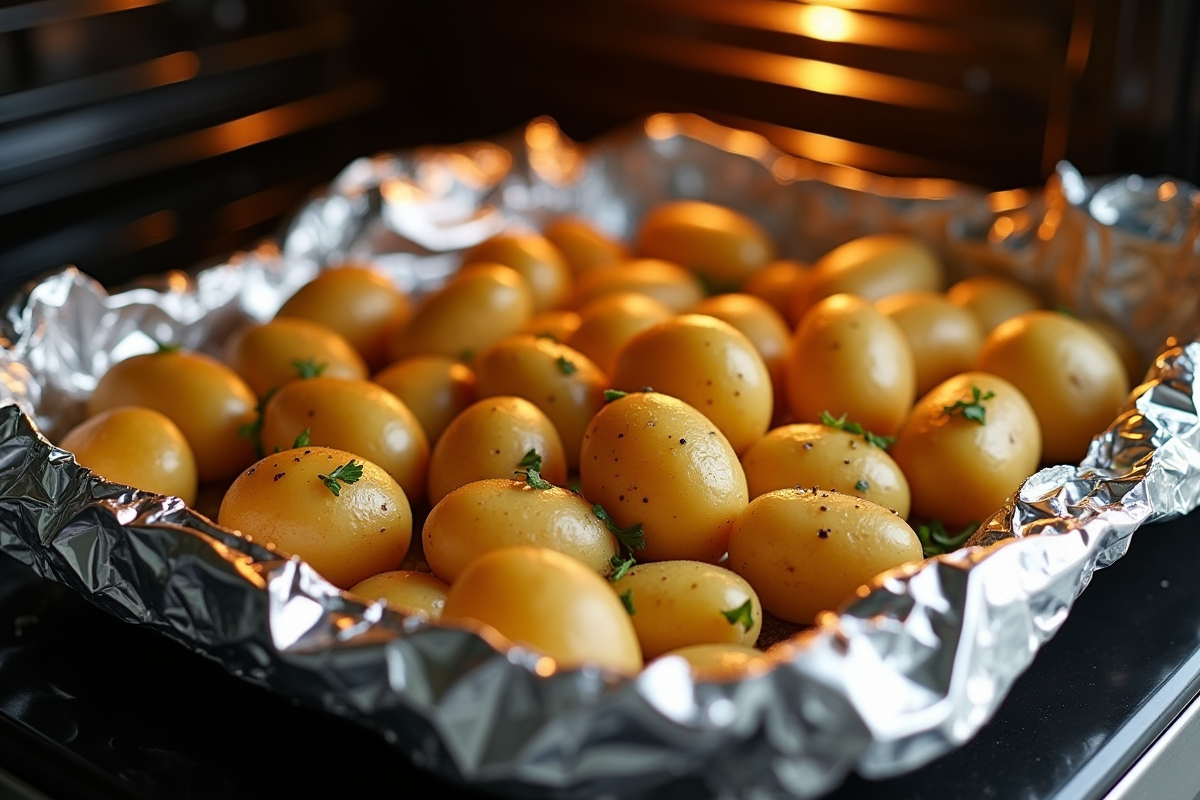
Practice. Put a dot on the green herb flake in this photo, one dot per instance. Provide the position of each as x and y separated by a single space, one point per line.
345 473
743 614
466 356
166 347
566 366
302 440
631 538
308 368
621 566
532 472
972 409
614 394
935 540
862 486
841 424
627 601
253 430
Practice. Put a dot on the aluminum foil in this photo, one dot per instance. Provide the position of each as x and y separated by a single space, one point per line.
906 672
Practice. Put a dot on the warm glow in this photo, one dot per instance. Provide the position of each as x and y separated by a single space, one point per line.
400 191
1167 191
1049 225
823 22
541 135
1001 229
999 202
746 143
660 126
544 666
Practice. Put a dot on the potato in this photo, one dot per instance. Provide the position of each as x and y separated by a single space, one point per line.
766 329
288 349
585 247
653 460
486 515
717 242
609 322
872 268
550 602
847 358
681 603
478 306
408 592
488 440
805 551
817 456
993 299
535 258
708 364
1072 377
1135 369
288 500
945 339
776 283
356 302
562 382
961 469
669 284
205 398
721 662
138 447
358 417
436 389
554 325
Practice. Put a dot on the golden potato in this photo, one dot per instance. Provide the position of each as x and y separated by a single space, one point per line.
776 283
408 592
609 322
682 603
488 440
766 329
717 242
653 460
486 515
1135 368
669 284
585 246
138 447
872 268
555 325
478 306
308 503
356 302
1071 376
721 662
535 258
550 602
993 299
205 398
805 551
562 382
359 417
963 456
288 349
817 456
436 389
945 339
847 358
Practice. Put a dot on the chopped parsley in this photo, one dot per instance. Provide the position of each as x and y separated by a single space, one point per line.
532 472
566 366
167 347
935 540
302 440
627 601
614 394
862 486
308 368
630 538
253 430
345 473
621 566
830 421
972 409
743 614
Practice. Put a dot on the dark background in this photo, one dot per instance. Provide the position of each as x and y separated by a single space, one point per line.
145 135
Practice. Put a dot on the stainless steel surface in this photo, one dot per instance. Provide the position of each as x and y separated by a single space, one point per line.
1170 769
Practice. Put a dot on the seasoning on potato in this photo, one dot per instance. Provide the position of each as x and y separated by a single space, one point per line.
550 602
288 349
535 258
435 388
139 447
406 591
344 516
807 551
652 460
724 246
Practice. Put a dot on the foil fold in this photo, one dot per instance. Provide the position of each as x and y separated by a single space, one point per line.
909 670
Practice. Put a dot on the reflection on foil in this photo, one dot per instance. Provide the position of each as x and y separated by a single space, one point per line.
909 670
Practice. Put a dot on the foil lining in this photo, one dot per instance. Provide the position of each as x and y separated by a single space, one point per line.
906 672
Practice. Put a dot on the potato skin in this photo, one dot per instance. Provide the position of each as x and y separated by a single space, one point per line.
816 456
682 603
585 247
1072 377
714 241
992 299
407 592
548 601
488 440
265 354
436 389
356 302
357 416
805 552
708 364
486 515
207 400
945 339
347 538
668 283
559 380
535 258
556 325
847 358
721 662
608 323
139 447
958 470
776 283
655 460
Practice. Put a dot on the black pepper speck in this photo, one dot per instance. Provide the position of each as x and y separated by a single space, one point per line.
280 475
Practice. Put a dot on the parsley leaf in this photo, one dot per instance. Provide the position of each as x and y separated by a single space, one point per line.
631 538
862 486
566 366
935 540
621 566
743 614
627 601
830 421
533 464
613 394
531 459
345 473
308 368
302 440
972 409
167 347
253 430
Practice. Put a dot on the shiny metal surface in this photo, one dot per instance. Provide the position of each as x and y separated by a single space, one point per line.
1169 770
908 671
